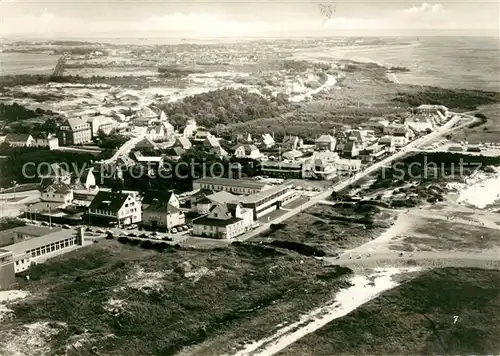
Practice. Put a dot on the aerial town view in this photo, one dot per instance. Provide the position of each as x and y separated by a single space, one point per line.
242 179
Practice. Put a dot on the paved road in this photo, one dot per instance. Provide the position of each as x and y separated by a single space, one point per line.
124 149
28 193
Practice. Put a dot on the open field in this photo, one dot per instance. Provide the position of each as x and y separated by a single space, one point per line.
488 132
435 234
418 318
126 300
331 229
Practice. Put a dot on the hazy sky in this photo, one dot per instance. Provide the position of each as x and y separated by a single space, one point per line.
86 18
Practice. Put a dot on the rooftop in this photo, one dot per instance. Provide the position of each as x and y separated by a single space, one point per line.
29 244
204 220
232 182
109 201
8 236
222 197
254 198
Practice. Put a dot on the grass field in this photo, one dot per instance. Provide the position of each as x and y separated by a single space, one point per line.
125 300
417 318
331 229
489 132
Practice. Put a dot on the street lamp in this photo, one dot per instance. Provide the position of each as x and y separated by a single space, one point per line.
15 185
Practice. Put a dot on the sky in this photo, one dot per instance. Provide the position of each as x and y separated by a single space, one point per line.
243 18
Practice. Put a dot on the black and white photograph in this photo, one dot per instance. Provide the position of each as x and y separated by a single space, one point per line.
249 177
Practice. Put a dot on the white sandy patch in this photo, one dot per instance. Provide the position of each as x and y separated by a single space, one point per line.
479 190
28 340
143 280
10 296
363 289
198 273
114 305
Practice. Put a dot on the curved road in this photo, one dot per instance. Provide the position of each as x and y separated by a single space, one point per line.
123 150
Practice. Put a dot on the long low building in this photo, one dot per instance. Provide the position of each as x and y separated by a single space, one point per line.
236 186
38 249
269 200
285 170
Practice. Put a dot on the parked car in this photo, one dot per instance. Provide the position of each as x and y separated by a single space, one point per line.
144 235
66 226
185 228
174 230
99 231
167 238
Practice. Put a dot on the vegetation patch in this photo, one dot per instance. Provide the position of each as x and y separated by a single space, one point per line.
128 300
447 311
329 229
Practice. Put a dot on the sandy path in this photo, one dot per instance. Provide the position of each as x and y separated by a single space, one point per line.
363 289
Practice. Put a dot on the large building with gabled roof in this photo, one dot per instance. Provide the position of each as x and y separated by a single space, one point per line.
115 208
74 131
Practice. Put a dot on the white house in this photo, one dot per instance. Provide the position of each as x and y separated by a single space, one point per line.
247 151
59 193
103 123
161 214
268 141
182 142
325 143
190 129
120 208
224 221
87 179
51 142
19 140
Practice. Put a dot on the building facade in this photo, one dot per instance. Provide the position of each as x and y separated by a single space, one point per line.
38 249
58 193
269 200
224 221
7 271
115 208
19 140
325 143
235 186
74 131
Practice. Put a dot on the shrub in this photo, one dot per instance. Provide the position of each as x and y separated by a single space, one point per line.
123 240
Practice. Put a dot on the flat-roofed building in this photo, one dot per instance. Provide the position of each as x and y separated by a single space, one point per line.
235 186
269 200
285 170
7 272
21 233
38 249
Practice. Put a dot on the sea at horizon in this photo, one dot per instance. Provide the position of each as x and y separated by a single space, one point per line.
448 62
